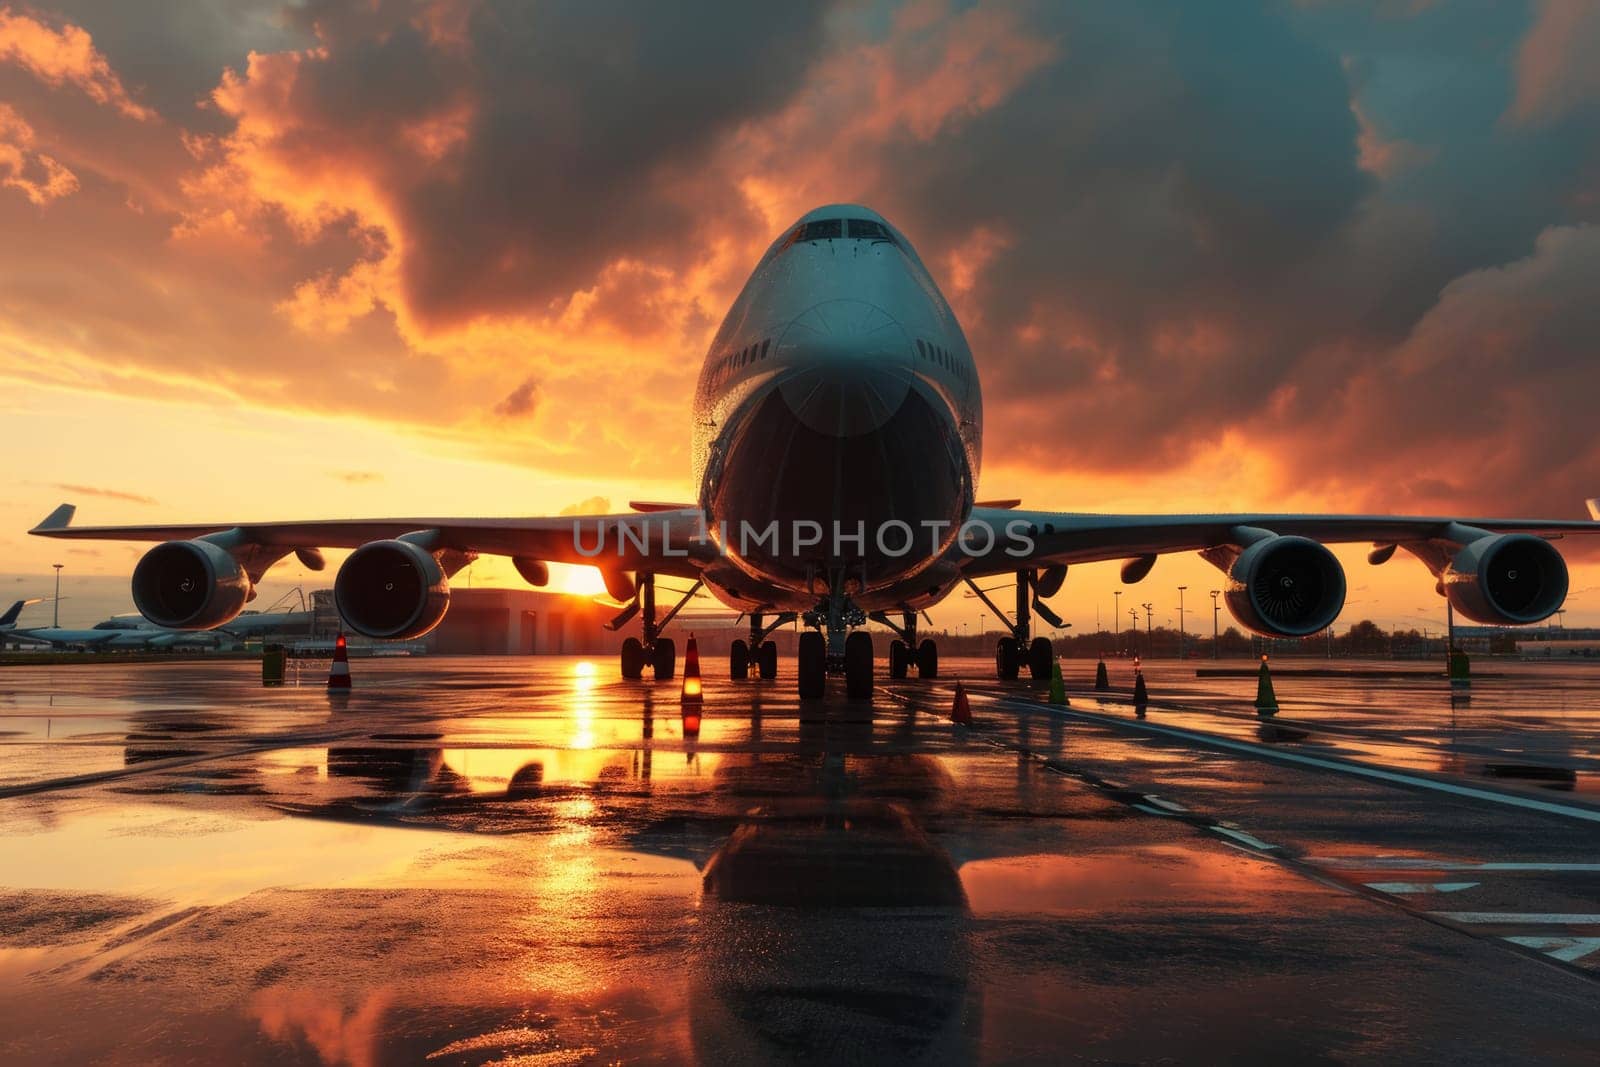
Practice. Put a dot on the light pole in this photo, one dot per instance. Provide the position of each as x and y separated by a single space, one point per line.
56 620
1116 612
1182 632
1216 611
1149 610
1133 613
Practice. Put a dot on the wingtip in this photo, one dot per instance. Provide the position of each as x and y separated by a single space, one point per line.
1594 508
59 519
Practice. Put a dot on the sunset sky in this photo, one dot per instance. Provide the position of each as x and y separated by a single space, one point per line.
269 261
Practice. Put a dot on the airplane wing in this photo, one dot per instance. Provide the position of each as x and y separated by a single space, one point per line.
666 542
1072 537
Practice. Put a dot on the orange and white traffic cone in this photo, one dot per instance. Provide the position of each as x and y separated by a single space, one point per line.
692 699
339 673
961 709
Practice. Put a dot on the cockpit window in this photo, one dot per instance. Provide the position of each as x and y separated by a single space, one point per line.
867 230
821 230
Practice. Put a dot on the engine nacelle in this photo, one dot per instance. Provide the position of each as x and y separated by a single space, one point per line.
1506 579
189 585
1286 587
391 589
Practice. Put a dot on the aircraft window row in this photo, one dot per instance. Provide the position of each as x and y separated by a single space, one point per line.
747 355
942 356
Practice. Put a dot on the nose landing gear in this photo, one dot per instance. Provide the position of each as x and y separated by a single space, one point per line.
843 652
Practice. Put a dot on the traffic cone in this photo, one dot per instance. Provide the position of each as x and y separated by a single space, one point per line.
1058 688
339 673
1101 680
961 709
1141 695
691 674
1266 699
1460 671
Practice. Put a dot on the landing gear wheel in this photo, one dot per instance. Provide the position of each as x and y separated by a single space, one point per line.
739 659
927 659
899 659
1007 658
813 666
858 665
768 660
664 657
1041 657
632 658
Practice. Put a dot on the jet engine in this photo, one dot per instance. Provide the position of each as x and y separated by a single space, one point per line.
189 585
1285 586
1506 579
391 589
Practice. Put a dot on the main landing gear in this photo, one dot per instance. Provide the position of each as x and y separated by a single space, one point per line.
759 652
1012 653
904 651
658 653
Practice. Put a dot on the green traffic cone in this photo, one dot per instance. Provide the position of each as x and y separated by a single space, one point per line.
1058 688
1101 680
1266 699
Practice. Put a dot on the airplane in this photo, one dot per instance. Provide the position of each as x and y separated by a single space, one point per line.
837 439
104 635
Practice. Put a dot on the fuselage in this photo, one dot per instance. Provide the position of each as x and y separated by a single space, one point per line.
838 423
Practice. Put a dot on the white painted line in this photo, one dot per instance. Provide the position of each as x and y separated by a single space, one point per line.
1522 918
1420 887
1148 810
1404 863
1351 767
1170 805
1240 835
1565 949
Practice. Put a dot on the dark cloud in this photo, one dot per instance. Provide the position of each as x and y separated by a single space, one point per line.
523 400
561 136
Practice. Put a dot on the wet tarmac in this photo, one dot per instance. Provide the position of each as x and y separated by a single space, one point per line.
528 861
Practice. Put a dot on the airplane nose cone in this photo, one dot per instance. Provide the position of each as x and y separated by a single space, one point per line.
853 367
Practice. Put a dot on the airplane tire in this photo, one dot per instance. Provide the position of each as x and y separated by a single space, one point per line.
1007 658
632 658
858 665
898 658
927 659
768 660
739 659
1041 657
813 666
664 658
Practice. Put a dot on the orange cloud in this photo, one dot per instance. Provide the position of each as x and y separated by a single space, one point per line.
39 177
64 56
1555 68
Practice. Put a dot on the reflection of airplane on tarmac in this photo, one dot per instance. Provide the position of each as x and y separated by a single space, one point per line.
838 428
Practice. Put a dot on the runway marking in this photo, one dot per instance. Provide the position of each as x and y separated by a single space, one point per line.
1522 918
1565 949
1240 835
1341 766
1420 887
1403 863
